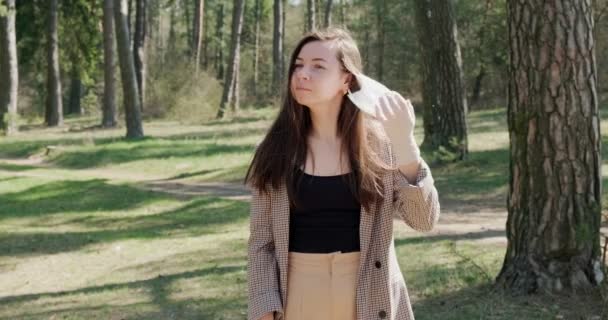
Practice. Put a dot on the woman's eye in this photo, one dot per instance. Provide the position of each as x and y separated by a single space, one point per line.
319 67
297 65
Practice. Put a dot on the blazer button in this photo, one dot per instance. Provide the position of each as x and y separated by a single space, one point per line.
378 264
382 314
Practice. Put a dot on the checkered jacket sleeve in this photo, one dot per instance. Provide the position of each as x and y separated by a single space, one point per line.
417 204
262 269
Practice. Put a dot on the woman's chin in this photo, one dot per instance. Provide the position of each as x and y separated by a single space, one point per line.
303 100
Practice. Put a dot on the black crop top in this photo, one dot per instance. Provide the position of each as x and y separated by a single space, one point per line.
327 217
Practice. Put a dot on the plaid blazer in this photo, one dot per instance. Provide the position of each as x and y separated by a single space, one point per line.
381 289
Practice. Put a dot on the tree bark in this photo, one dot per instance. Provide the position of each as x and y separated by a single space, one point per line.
197 33
54 106
445 105
277 46
109 118
9 77
554 199
127 71
139 49
231 81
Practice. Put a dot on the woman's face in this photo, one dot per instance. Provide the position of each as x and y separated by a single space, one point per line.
317 76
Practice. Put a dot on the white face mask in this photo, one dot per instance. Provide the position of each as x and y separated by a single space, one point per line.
366 99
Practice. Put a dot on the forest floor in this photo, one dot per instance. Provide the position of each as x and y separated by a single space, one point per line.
96 227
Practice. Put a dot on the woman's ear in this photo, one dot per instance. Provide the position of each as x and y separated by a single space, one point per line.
348 81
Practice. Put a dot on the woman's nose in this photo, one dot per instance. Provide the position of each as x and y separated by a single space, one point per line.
302 74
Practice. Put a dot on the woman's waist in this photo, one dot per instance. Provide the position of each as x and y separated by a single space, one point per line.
333 263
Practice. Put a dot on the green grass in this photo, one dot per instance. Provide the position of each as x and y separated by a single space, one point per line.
217 151
81 239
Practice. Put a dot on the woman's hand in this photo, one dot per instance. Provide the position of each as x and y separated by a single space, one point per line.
397 116
268 316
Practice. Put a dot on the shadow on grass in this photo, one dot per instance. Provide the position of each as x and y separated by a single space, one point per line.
8 178
441 237
16 167
17 149
110 150
234 174
461 287
106 156
160 291
484 176
233 120
219 134
79 204
484 301
72 197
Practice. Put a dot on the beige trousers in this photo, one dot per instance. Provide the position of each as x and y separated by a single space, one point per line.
322 286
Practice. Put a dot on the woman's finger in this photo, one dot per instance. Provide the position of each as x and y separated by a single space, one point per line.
381 112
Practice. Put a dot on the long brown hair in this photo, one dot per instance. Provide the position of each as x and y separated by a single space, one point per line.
284 148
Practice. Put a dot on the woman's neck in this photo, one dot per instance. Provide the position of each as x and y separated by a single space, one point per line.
325 123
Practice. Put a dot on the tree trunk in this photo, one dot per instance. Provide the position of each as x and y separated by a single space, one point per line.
127 72
139 50
109 118
318 12
189 36
328 13
445 105
76 92
283 14
366 43
256 47
197 33
310 15
277 47
9 77
54 105
219 56
130 21
380 18
231 81
235 105
476 94
172 40
205 37
343 13
161 42
555 170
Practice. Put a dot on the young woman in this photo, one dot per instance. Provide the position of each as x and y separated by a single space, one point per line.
327 181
